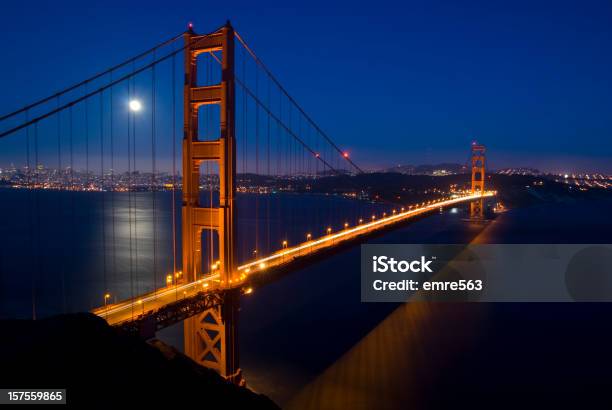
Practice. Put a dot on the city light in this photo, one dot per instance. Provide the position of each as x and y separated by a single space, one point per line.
135 105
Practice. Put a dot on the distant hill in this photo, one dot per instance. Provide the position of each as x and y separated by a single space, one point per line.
428 169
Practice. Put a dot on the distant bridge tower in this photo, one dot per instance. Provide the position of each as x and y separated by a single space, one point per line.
210 338
478 179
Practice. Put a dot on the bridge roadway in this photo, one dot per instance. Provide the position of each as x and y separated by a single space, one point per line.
131 309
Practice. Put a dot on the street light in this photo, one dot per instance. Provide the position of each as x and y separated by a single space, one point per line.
284 244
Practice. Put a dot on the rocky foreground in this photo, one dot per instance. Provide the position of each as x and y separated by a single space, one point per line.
100 367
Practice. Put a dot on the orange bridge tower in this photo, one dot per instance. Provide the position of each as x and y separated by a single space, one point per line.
211 337
478 179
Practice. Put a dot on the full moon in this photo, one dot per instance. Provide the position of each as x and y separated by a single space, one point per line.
135 105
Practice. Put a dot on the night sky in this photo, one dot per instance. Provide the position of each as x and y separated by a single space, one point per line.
406 82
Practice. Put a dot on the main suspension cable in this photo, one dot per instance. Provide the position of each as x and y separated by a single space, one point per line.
132 74
308 118
90 79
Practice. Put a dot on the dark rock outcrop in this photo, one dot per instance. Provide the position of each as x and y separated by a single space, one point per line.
101 367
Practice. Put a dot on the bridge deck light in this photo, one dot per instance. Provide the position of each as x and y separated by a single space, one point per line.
262 265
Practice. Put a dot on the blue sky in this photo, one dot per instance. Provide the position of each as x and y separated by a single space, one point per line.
393 82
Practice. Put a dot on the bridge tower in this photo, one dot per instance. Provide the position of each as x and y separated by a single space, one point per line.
210 337
478 179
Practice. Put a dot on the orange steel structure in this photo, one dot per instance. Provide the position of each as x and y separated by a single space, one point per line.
478 179
210 337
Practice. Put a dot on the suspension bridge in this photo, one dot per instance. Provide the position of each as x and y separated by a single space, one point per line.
165 245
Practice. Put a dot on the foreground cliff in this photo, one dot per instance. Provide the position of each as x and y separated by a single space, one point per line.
101 367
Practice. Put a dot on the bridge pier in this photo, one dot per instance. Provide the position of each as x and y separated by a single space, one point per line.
211 338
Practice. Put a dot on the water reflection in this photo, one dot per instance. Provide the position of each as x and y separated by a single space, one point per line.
63 251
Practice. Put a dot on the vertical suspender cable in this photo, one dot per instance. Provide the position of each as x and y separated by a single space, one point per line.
130 193
37 204
153 178
60 177
174 164
257 161
102 192
31 216
268 174
112 179
136 265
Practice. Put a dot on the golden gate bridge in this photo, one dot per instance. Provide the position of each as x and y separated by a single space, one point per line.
244 136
